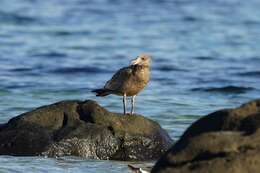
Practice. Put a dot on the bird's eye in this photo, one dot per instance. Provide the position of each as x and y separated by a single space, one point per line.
142 58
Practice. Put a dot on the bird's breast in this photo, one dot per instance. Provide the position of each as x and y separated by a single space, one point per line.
137 82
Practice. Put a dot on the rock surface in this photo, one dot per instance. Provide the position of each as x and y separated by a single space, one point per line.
224 141
83 129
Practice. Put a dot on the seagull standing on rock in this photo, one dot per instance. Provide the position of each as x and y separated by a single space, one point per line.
128 81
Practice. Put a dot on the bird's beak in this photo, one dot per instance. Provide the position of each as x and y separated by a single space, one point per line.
135 61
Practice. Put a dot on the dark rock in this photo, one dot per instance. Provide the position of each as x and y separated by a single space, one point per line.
83 129
224 141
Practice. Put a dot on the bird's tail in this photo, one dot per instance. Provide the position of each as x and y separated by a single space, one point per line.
101 92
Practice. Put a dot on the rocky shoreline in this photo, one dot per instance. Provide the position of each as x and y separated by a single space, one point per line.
85 129
227 140
224 141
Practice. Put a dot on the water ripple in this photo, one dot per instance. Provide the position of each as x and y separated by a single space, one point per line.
169 68
6 17
250 74
225 89
51 54
75 70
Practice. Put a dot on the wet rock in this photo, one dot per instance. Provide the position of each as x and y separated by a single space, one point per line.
83 129
224 141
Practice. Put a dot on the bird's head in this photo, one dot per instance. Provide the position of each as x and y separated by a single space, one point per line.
142 59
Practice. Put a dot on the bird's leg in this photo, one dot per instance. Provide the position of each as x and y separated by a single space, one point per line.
133 104
124 103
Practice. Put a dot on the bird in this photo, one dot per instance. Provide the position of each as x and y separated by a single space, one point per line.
128 81
139 170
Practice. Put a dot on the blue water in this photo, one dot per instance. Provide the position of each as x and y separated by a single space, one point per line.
206 56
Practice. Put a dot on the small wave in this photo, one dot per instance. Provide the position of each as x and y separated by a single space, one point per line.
167 68
204 58
251 22
250 74
50 54
73 70
226 89
20 86
26 71
21 70
61 33
189 19
69 33
82 48
16 18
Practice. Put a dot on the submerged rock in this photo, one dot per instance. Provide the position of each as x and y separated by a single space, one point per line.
224 141
83 129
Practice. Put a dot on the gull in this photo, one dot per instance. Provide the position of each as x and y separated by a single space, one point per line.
128 81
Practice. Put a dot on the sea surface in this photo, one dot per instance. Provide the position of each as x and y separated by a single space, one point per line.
205 57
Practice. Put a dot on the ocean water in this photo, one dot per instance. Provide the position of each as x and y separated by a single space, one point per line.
205 57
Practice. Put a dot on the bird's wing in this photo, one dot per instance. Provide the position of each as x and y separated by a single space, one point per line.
119 78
